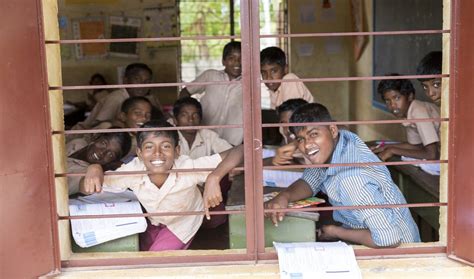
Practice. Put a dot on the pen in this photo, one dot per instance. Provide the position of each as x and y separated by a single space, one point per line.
381 144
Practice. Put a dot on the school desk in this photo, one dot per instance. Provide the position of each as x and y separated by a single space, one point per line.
124 244
419 187
291 229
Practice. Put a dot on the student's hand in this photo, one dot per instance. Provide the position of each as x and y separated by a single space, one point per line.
386 154
212 193
378 148
280 201
93 179
328 233
284 154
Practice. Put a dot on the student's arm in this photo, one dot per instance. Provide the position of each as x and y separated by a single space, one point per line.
428 152
92 182
95 182
359 236
184 93
382 224
297 191
212 192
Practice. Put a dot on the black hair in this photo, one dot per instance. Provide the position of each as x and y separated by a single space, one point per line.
135 68
229 47
187 101
273 55
431 64
98 76
290 105
311 112
128 103
162 123
123 139
404 86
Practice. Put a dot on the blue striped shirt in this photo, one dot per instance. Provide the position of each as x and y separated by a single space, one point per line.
366 185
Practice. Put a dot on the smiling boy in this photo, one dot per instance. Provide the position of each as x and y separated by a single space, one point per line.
222 103
346 186
423 137
273 66
161 190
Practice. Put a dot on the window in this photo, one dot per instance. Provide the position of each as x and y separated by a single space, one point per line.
255 252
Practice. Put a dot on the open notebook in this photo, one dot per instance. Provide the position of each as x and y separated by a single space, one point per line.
90 232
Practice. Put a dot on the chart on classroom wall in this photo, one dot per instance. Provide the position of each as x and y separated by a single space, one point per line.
89 28
124 27
160 22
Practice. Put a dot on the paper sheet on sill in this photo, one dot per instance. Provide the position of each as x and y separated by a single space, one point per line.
90 232
306 260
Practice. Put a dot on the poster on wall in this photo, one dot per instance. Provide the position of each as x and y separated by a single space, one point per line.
89 28
160 22
124 27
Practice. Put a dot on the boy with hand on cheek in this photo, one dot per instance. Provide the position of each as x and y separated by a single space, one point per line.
162 190
346 186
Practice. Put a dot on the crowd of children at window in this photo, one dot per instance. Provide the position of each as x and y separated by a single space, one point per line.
158 152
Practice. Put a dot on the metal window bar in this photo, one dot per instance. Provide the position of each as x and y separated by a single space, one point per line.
247 38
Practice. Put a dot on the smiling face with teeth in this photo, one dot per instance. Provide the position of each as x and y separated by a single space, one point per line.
232 64
137 115
103 151
317 143
158 153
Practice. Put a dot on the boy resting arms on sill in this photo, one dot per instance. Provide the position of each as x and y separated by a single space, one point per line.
160 190
345 186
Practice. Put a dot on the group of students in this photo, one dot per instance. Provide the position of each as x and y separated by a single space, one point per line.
162 153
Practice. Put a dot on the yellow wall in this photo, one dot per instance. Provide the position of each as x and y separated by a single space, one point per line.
361 95
322 57
163 61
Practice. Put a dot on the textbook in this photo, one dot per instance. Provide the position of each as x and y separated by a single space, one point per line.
297 204
90 232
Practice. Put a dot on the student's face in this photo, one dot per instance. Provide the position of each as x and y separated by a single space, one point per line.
232 64
285 118
103 151
188 116
137 115
158 153
318 142
432 89
140 77
273 71
397 103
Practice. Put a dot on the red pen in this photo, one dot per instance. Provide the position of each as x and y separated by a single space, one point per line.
381 144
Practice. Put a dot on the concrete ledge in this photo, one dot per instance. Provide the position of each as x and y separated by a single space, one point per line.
413 267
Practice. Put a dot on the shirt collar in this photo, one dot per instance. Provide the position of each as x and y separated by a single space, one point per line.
338 152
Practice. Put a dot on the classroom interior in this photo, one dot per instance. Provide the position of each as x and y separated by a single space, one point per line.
308 57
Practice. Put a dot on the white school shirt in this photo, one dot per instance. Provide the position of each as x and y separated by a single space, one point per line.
206 143
289 90
422 132
222 104
179 193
